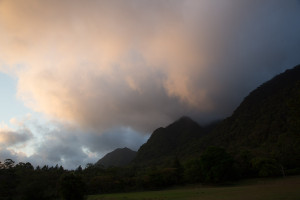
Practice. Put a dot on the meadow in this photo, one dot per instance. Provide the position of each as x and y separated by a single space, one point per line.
287 188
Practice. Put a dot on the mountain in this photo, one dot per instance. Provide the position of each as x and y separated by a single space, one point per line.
166 144
265 125
267 122
119 157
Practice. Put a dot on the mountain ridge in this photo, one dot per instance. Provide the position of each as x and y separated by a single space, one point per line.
267 122
166 143
265 125
117 158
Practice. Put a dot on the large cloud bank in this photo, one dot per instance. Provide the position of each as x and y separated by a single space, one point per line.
137 64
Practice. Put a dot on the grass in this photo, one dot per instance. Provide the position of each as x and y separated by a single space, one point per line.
259 189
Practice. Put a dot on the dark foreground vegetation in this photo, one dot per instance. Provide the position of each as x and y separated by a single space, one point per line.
214 167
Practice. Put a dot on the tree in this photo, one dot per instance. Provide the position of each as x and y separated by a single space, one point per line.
217 165
193 171
71 187
266 167
8 179
78 169
179 171
24 166
9 163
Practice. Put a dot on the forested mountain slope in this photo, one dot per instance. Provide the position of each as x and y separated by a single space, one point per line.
265 126
117 158
166 144
267 122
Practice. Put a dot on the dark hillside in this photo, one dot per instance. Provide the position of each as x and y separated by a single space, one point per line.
267 122
117 158
167 143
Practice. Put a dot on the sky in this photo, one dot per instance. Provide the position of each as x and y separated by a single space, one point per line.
81 78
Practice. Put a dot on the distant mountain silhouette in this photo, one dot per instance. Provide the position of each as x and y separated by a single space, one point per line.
169 143
117 158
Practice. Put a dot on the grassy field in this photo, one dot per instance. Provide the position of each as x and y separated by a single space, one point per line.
259 189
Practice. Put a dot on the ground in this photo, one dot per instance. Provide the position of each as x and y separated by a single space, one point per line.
287 188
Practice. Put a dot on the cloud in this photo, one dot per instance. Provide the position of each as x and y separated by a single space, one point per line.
107 67
65 151
11 154
48 143
114 138
76 61
71 147
10 137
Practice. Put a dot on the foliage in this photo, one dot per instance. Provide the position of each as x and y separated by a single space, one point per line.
217 165
266 167
22 181
8 179
71 187
193 171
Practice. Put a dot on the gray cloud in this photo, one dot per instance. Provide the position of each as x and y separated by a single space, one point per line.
10 154
10 138
115 138
71 147
60 147
54 143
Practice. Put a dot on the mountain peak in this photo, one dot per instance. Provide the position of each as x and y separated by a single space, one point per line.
184 118
169 141
183 122
122 149
118 157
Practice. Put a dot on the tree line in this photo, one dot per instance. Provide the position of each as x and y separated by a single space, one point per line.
215 166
